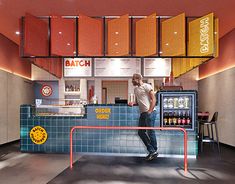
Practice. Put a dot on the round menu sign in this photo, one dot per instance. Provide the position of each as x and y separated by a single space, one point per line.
46 90
38 135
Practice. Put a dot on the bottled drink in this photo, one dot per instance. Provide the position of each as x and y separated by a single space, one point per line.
66 88
70 88
165 103
170 102
181 102
183 118
179 118
174 118
188 119
186 102
170 118
165 119
176 104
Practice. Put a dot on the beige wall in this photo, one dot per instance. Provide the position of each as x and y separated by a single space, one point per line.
115 89
188 80
14 92
216 93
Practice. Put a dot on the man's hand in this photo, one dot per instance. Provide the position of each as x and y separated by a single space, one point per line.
152 101
131 104
149 111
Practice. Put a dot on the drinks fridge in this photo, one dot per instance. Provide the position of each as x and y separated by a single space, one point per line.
178 108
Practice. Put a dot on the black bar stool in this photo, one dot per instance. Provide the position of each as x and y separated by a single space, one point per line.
209 125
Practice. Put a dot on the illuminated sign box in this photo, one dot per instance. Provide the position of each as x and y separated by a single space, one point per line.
157 67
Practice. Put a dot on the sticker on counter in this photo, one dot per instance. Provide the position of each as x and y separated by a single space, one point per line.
46 90
38 135
102 113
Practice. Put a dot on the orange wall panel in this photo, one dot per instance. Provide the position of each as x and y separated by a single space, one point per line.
62 36
90 38
225 60
118 36
146 36
35 36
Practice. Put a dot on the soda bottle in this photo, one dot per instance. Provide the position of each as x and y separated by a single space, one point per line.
170 118
183 119
165 119
174 118
179 118
188 120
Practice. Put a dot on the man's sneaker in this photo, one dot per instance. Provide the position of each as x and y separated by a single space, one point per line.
151 156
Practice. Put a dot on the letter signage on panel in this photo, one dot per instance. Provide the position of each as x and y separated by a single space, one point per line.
157 67
201 36
77 67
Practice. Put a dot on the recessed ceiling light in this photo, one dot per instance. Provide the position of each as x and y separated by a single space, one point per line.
167 44
160 52
116 44
60 32
175 32
116 32
17 32
215 32
68 44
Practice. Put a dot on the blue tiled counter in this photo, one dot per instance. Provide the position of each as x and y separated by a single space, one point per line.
113 142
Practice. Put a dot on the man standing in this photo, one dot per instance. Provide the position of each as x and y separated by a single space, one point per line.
146 100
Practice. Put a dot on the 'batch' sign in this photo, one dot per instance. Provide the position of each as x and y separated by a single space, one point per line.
77 67
38 135
201 36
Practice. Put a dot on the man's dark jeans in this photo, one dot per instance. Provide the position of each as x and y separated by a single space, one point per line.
148 136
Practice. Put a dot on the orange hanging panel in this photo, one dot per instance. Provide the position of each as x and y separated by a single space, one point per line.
146 36
118 36
90 36
62 36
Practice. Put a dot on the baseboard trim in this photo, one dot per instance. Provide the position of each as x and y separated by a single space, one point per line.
9 143
228 146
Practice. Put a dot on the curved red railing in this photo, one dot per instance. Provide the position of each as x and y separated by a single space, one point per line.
130 128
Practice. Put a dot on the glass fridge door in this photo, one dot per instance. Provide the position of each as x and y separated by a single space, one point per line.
178 110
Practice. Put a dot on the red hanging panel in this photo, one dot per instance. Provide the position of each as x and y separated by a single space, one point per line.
90 39
62 36
35 36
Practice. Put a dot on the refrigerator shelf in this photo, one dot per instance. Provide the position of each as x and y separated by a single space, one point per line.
179 109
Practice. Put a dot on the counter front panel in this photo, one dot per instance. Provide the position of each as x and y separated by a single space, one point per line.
50 134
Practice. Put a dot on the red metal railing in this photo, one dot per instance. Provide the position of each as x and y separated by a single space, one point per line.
130 128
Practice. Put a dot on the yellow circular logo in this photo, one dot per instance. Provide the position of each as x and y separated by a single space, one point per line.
38 135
